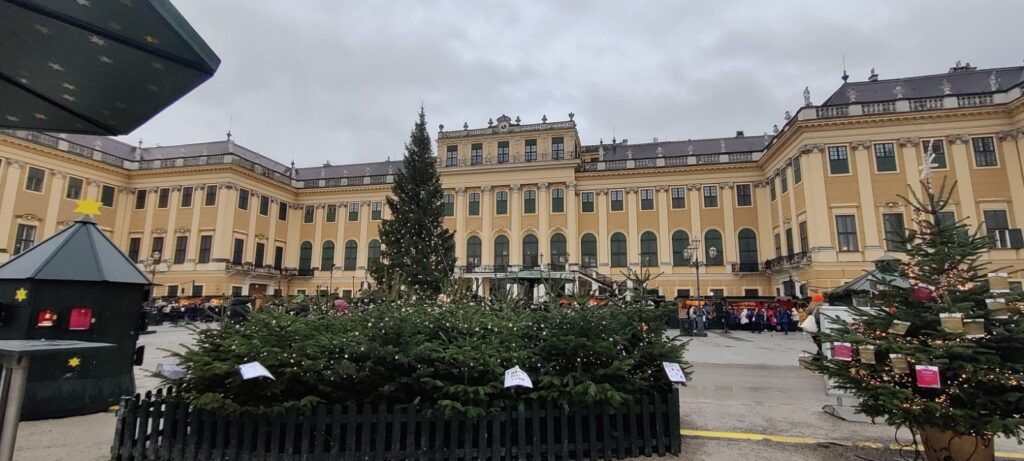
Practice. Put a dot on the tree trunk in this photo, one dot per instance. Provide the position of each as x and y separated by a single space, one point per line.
943 445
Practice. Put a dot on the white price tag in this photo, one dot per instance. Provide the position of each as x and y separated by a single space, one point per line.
517 377
674 372
254 370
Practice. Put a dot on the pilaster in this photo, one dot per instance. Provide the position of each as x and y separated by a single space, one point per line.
961 162
57 180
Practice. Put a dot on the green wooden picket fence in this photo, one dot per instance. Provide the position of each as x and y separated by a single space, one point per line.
161 427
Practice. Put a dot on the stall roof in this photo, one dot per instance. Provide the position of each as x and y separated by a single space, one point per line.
80 253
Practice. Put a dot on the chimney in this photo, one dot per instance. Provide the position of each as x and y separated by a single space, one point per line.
874 76
625 141
739 133
959 67
655 139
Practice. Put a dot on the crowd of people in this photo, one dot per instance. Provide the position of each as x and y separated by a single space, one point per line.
755 318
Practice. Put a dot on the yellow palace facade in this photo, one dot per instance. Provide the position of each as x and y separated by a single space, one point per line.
800 210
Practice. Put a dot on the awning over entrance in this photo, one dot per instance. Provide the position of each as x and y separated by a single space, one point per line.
95 66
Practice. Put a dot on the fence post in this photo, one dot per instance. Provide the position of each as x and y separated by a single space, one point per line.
139 450
409 452
336 431
673 418
319 447
592 429
659 425
155 425
606 432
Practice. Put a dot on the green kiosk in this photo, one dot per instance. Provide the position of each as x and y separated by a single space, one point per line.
77 286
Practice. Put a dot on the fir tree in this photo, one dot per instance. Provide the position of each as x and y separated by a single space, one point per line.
417 250
945 309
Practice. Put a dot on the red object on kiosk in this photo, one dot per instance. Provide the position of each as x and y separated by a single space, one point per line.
46 319
80 319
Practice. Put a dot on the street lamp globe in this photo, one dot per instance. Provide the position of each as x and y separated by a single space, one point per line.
712 252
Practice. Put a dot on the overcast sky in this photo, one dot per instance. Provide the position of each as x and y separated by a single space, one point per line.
342 81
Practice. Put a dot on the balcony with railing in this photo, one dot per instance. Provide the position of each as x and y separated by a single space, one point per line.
674 161
974 100
742 268
490 160
251 268
784 261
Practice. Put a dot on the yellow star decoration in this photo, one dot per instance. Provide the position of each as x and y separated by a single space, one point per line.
21 295
74 362
88 207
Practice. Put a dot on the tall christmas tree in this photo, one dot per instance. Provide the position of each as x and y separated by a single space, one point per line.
417 250
941 348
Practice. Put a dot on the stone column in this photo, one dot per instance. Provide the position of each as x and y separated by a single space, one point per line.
10 193
339 243
152 195
543 211
318 235
362 255
603 245
271 243
765 236
92 187
696 204
172 221
960 159
249 251
633 239
193 231
779 215
664 234
572 220
486 239
57 180
124 215
869 220
460 226
729 239
227 200
911 163
292 239
819 219
516 237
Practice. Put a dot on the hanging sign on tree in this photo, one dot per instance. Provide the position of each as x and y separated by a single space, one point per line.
254 370
999 282
867 354
899 327
674 372
952 322
899 363
928 376
974 328
997 305
923 293
842 351
517 377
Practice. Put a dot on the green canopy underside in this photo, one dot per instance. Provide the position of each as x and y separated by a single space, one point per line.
95 66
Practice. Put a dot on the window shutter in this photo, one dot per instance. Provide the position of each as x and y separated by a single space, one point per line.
1016 238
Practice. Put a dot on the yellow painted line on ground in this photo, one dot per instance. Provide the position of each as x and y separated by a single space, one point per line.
805 440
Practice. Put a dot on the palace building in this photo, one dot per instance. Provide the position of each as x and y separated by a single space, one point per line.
800 210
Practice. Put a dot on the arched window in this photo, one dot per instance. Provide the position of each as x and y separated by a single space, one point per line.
327 256
500 253
530 201
748 251
648 249
351 250
680 241
713 239
530 250
588 250
473 248
373 252
306 258
559 258
619 258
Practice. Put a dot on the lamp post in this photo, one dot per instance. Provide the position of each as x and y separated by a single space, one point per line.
151 264
692 253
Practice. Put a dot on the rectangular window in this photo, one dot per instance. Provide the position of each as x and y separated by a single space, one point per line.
278 257
476 154
158 247
107 195
34 179
557 200
646 199
838 160
984 151
332 213
771 188
451 156
236 251
134 248
797 173
308 214
140 199
236 290
778 245
935 146
892 224
846 231
25 238
210 198
282 211
789 241
163 198
678 198
261 249
682 292
530 201
197 291
710 196
587 202
501 202
503 152
74 188
449 204
557 148
243 199
172 291
531 150
945 219
718 293
753 292
353 211
998 227
783 180
180 249
186 197
802 229
264 205
617 204
474 204
743 195
205 246
885 157
376 211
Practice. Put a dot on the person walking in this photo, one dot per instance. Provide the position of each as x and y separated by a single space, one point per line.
783 319
758 322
